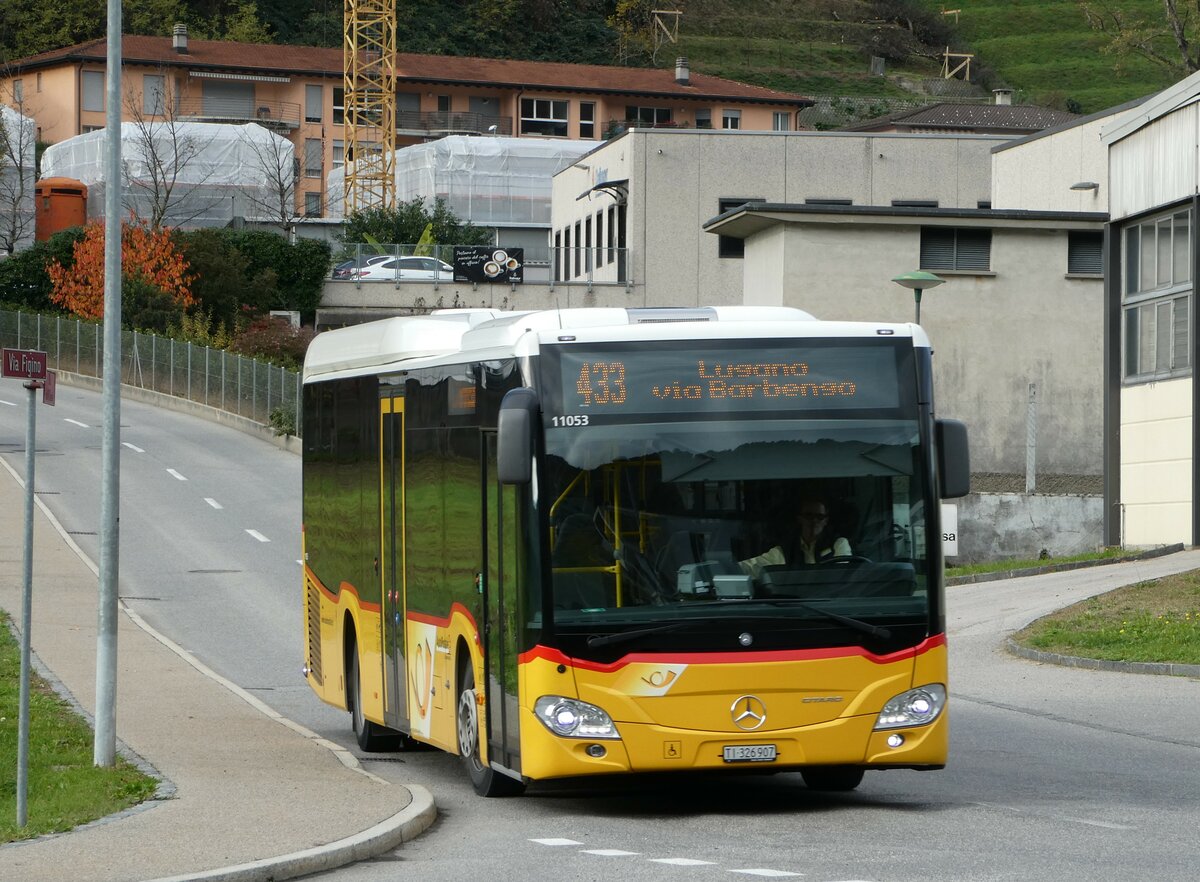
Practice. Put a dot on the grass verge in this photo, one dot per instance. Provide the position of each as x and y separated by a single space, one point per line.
1156 621
64 789
996 566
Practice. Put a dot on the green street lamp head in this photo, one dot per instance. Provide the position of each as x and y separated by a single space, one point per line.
918 281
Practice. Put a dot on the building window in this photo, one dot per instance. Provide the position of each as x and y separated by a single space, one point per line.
825 201
704 119
578 239
93 90
314 101
339 154
647 116
587 120
611 227
949 248
600 238
18 88
154 94
542 116
39 81
914 203
312 204
312 157
730 246
781 121
558 252
1157 296
1085 252
443 103
731 119
339 106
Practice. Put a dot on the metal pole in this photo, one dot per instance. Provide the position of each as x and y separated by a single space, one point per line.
1031 441
917 297
110 478
26 612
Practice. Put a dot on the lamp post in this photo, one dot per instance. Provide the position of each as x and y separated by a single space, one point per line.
918 281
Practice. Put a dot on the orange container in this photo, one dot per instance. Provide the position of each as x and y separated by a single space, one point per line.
61 203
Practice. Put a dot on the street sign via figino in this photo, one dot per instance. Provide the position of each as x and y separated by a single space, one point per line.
28 364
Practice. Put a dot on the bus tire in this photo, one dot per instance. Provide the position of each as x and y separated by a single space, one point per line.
832 778
371 737
486 781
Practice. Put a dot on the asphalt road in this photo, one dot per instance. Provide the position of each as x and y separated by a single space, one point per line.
1055 773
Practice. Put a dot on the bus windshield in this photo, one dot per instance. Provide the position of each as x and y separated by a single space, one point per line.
698 516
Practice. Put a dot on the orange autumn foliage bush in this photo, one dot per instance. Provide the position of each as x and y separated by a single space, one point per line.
147 254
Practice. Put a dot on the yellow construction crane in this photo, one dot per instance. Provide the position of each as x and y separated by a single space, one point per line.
370 115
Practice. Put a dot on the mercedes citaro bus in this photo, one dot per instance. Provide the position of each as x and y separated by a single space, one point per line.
528 541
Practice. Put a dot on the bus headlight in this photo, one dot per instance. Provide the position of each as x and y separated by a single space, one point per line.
572 718
916 707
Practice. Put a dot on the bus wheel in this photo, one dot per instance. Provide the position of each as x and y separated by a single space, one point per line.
486 781
832 777
371 737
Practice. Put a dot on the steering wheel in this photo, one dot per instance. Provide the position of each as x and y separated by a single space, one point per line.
844 559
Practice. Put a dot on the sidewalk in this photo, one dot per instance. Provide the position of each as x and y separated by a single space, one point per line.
246 795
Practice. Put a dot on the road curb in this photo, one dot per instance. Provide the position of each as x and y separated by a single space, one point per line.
1167 669
385 836
1063 567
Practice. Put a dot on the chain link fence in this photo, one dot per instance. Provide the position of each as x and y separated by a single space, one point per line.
223 380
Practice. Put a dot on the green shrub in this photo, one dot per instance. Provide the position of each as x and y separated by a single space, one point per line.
23 279
147 307
283 419
226 289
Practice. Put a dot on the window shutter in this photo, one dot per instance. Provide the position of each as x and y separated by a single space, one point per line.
974 250
937 248
1180 349
1085 252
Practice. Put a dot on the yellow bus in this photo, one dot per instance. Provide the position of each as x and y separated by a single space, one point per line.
566 543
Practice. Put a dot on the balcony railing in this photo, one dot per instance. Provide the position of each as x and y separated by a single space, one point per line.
452 123
272 114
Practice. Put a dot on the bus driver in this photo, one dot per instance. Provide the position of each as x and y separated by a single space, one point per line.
815 542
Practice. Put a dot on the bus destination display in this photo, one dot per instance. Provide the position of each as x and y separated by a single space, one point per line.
664 382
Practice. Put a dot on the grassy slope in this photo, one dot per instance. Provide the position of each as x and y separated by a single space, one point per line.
1043 48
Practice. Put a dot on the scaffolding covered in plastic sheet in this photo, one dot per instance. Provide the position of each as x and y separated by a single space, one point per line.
487 181
202 174
18 134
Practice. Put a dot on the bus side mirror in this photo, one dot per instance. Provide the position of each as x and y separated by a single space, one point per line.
514 447
954 458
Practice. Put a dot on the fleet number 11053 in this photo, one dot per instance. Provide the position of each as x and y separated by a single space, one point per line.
574 419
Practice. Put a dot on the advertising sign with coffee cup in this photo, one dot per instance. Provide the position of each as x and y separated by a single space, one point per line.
486 264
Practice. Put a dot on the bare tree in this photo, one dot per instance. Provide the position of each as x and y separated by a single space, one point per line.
1168 40
273 160
17 156
165 177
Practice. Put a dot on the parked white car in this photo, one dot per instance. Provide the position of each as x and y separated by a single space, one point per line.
406 268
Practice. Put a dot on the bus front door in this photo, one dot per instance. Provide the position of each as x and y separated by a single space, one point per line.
391 416
501 590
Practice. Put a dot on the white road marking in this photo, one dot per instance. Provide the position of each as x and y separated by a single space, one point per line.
132 447
77 423
1087 822
174 474
609 852
9 403
556 842
259 536
213 502
774 874
680 862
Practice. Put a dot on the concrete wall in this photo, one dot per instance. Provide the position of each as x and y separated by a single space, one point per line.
993 333
1156 462
1036 173
1018 527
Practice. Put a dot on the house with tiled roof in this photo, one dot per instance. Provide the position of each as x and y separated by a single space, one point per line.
1001 118
298 92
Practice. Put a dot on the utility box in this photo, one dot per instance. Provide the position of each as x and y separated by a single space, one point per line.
61 204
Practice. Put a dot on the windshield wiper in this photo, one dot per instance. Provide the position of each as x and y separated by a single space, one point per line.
625 636
856 624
